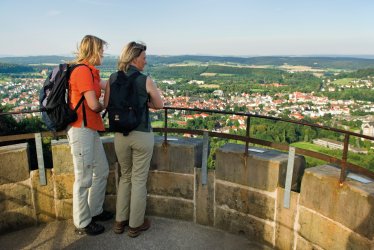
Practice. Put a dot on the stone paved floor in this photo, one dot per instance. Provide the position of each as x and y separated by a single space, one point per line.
164 234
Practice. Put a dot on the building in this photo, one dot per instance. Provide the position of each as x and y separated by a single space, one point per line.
368 128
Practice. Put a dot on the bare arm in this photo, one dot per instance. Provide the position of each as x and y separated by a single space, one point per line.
155 97
106 95
103 83
92 101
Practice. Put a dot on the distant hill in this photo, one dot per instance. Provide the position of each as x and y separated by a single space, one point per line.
14 68
345 63
36 60
358 74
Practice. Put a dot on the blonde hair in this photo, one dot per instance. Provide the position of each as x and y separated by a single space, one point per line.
90 50
130 52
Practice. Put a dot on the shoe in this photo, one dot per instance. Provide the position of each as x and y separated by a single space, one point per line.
136 231
104 216
90 229
119 226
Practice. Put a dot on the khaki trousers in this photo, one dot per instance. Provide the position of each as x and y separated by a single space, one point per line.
91 171
134 153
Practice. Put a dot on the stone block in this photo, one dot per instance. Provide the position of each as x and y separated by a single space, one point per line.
254 229
15 219
15 195
64 186
329 234
64 209
15 163
303 244
263 170
108 143
204 199
170 184
170 207
245 200
285 220
351 204
44 196
110 203
111 183
62 158
180 156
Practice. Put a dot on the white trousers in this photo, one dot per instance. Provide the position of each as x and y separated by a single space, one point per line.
91 171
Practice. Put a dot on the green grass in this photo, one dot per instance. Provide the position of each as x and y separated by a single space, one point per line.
366 161
343 81
157 124
222 74
258 90
309 146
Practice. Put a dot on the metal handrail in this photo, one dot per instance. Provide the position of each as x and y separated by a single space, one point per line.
343 163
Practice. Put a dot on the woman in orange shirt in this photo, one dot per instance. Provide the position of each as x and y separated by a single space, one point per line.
90 163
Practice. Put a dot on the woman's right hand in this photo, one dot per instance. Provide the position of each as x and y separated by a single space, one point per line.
155 101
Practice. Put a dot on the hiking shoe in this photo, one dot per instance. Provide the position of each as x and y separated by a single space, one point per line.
119 226
136 231
104 216
90 229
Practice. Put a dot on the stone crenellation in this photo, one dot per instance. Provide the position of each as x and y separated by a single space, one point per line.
243 195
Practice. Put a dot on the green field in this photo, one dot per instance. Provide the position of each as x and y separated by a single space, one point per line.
219 74
309 146
343 81
366 161
5 79
157 124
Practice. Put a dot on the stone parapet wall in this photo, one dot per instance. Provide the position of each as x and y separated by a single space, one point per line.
171 180
17 207
243 195
333 216
246 190
63 176
14 163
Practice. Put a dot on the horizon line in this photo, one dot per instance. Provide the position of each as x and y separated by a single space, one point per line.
363 56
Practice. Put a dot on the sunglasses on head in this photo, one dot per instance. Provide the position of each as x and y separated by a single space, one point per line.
140 46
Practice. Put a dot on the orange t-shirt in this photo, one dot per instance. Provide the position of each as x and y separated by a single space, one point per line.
80 82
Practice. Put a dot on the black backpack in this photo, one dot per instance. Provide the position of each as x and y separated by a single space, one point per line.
54 99
124 110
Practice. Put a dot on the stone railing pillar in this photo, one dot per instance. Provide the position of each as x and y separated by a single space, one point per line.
333 216
246 190
171 180
16 199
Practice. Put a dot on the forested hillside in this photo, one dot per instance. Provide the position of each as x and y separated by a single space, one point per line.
14 68
347 63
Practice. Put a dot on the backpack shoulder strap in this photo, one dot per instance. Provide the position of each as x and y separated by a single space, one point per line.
71 67
132 78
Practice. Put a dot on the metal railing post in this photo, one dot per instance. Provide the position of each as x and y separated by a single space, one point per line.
204 162
247 134
166 127
39 155
343 171
289 175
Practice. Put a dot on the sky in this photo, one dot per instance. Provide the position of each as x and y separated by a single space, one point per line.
190 27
